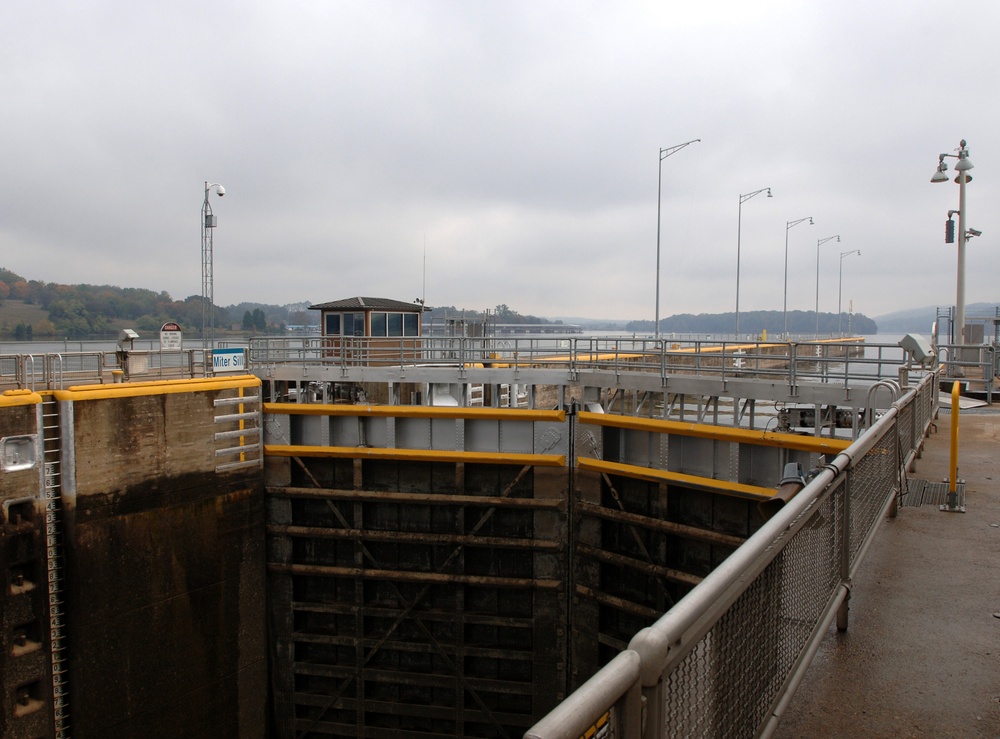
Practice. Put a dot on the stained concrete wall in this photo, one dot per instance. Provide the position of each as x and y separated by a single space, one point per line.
25 677
165 568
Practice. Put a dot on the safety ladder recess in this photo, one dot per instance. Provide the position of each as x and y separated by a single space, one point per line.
54 564
245 443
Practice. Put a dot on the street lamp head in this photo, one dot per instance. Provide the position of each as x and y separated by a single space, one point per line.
940 175
964 163
963 166
810 221
769 192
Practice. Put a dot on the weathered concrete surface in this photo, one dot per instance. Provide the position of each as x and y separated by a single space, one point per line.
921 657
165 573
25 677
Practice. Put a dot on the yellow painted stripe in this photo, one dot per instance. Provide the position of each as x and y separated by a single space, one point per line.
817 444
11 398
413 411
161 387
415 455
725 487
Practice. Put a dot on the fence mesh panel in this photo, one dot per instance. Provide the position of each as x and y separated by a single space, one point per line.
873 479
727 683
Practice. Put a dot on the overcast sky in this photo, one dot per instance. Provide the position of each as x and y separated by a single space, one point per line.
518 141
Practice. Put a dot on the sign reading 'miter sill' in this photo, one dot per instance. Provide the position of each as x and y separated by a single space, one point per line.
229 360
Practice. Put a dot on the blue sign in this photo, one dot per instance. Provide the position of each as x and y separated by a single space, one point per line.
229 360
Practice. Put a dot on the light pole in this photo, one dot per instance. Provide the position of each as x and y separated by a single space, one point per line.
962 167
840 289
788 226
664 153
818 245
739 234
207 280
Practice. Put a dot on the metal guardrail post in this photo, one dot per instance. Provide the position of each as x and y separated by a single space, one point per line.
843 611
988 376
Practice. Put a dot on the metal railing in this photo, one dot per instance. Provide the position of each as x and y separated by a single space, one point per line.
839 362
725 660
976 364
57 371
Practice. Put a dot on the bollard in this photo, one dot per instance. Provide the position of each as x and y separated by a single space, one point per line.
952 504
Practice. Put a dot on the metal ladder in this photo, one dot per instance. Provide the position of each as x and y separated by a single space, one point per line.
51 453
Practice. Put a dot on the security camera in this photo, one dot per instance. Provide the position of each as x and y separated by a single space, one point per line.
974 232
221 190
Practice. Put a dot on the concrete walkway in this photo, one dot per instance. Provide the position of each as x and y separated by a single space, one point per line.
921 657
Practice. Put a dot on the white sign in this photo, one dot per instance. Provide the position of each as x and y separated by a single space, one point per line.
170 337
229 360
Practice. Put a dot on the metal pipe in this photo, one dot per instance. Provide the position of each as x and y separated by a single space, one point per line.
953 458
962 240
582 708
739 234
664 153
788 226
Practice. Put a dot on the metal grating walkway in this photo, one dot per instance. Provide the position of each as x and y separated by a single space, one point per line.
925 492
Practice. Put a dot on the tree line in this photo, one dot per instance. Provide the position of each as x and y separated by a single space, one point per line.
81 311
756 322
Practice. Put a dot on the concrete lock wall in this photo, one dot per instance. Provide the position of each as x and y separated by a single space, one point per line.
25 676
164 567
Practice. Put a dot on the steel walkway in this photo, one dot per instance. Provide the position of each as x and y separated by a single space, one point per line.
922 655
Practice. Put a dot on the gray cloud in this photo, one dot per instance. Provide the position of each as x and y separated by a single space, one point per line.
518 140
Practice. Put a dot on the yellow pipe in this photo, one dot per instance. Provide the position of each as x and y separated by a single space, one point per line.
816 444
953 473
738 489
159 387
19 397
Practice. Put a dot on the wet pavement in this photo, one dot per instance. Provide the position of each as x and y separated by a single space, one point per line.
921 656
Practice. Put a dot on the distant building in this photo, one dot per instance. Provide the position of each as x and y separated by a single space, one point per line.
373 317
371 331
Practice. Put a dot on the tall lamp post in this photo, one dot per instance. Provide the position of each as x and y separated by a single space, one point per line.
739 234
818 245
962 167
208 222
788 226
840 289
664 153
